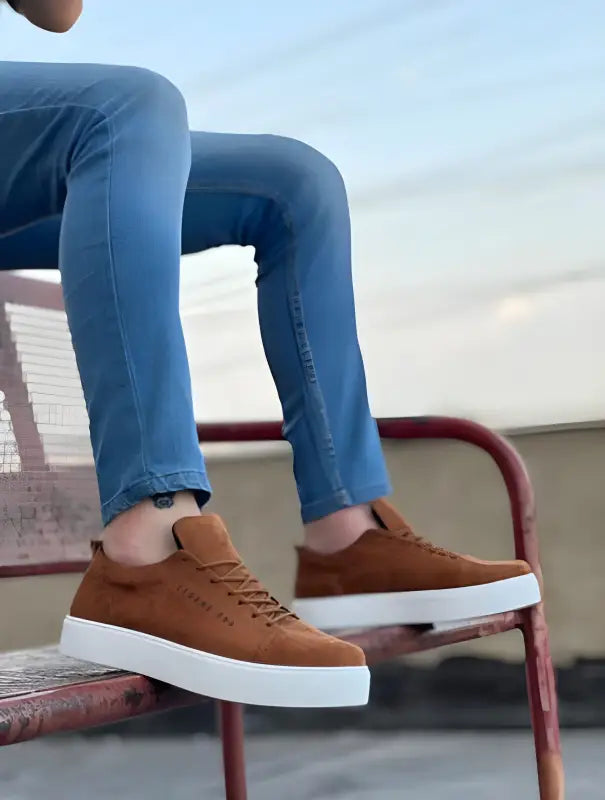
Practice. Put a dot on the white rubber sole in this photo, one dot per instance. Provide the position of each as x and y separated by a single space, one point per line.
212 675
419 608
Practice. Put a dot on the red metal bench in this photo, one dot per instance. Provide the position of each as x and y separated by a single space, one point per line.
49 513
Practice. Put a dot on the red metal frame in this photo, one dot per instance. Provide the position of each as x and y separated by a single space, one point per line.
231 721
46 568
112 699
539 669
383 644
83 705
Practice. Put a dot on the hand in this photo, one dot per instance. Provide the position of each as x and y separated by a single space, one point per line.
57 16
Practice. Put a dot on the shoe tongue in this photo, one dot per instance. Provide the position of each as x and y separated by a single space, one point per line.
206 538
388 517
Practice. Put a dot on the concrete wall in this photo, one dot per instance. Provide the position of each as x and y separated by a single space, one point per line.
449 491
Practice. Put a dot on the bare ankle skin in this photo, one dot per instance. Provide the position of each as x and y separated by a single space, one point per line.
338 530
143 534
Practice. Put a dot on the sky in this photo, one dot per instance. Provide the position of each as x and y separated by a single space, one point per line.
471 138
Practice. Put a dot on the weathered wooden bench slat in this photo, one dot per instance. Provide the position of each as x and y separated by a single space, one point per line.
24 672
87 703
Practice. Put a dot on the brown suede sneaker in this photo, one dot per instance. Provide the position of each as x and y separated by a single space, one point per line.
201 621
390 576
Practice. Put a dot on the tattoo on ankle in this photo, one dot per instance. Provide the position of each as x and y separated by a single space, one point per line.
163 499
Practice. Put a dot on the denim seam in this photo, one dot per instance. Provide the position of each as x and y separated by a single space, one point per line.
123 336
113 285
331 471
152 477
305 355
361 494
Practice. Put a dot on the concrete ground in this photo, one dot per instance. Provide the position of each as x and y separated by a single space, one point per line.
346 766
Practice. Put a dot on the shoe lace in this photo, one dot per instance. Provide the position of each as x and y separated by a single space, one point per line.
248 590
408 534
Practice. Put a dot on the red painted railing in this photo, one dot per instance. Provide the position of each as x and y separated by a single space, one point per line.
74 710
385 643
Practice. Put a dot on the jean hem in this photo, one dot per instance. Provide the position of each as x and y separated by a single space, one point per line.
188 481
343 499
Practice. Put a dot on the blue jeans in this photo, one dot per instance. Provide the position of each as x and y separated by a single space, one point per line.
100 176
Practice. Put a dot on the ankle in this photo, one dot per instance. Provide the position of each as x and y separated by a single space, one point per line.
143 534
338 530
